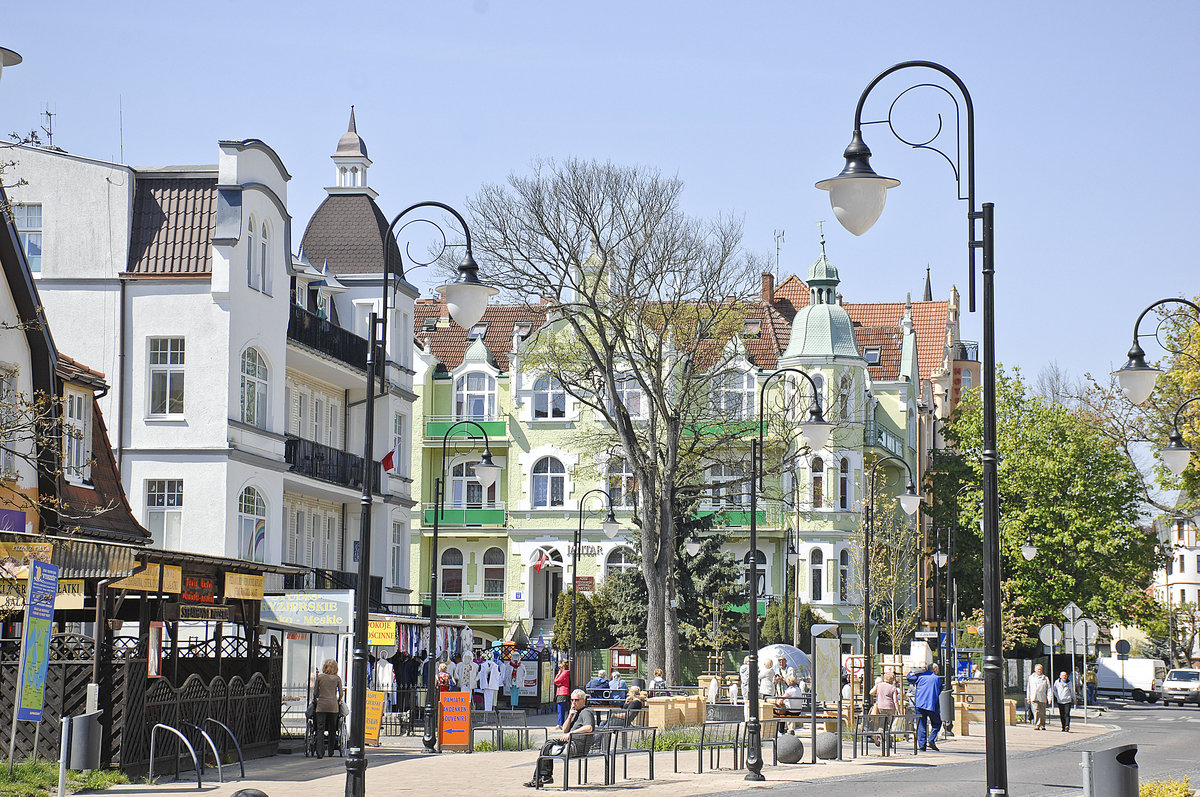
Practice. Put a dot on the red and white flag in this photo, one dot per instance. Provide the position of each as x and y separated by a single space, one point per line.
540 560
392 459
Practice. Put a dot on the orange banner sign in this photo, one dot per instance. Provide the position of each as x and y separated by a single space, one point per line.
454 726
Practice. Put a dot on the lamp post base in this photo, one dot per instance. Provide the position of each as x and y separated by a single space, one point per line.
356 773
754 761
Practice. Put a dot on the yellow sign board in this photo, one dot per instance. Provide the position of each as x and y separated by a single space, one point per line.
381 632
70 596
147 579
374 715
241 585
16 556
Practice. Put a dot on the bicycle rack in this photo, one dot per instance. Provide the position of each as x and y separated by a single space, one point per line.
236 743
211 746
191 752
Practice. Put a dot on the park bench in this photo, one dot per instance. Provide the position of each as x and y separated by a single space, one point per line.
632 741
714 737
871 727
902 725
599 745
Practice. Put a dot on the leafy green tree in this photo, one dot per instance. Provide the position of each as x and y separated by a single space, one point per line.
591 623
1067 486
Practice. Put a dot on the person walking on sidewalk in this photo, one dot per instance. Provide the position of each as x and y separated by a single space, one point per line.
327 700
1064 698
562 691
1037 694
928 689
576 731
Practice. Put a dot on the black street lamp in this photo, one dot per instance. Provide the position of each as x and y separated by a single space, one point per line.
8 58
816 431
909 502
610 527
1176 455
1135 376
466 299
857 196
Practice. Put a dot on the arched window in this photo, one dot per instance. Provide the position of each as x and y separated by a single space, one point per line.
475 397
493 573
549 483
621 484
619 560
844 576
844 388
264 259
760 569
844 484
252 526
819 381
817 566
733 396
251 256
254 388
818 483
465 489
452 572
549 399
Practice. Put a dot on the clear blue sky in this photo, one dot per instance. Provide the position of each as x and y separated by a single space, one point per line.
1086 118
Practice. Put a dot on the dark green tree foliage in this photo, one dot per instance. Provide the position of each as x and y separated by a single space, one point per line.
1067 485
591 623
707 583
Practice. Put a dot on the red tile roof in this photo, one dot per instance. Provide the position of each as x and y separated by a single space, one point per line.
889 341
450 343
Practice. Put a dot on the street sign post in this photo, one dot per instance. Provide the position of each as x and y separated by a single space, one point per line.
1072 612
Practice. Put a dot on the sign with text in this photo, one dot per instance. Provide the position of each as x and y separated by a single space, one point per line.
200 611
244 586
16 557
827 653
35 643
381 632
454 721
586 583
320 611
70 595
146 580
374 715
199 589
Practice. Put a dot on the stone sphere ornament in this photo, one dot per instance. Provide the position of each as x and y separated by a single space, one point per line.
827 745
249 793
790 749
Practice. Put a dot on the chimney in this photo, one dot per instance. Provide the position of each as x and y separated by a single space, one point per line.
768 288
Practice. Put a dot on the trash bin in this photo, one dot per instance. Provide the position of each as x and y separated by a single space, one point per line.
1111 773
946 708
82 740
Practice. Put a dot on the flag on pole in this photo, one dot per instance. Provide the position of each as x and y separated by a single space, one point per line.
392 458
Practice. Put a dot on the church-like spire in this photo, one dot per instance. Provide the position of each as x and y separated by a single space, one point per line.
350 159
928 297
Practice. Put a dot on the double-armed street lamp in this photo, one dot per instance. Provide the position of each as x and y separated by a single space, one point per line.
466 299
816 431
857 195
909 502
611 528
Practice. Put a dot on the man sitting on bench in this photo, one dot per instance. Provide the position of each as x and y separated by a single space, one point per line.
577 732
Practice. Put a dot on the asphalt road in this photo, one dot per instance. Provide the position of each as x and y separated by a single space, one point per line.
1167 740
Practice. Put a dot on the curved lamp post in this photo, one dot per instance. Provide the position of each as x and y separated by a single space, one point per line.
816 431
486 472
857 196
1176 455
611 528
356 758
909 502
1135 376
8 58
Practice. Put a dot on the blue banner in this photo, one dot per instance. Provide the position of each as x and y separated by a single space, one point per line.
35 644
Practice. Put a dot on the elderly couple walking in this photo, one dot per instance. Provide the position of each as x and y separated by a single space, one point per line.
1039 692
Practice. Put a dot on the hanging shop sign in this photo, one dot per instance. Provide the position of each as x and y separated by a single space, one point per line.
35 642
586 583
320 611
199 589
146 580
200 611
70 595
16 557
243 586
381 632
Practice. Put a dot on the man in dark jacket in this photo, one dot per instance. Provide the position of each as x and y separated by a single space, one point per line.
928 689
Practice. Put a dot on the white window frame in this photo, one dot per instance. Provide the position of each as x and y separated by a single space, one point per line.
500 565
462 479
396 559
816 483
734 394
630 395
164 508
551 477
731 495
256 379
467 396
264 259
844 576
549 398
329 547
816 581
169 364
844 483
621 483
760 569
252 525
252 274
77 435
10 414
444 566
624 565
295 554
29 232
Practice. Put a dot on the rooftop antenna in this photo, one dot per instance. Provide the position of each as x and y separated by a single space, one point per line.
778 241
48 128
121 123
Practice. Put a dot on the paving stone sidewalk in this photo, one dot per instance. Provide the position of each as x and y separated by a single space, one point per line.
408 770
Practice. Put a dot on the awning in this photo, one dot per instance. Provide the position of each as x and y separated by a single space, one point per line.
84 558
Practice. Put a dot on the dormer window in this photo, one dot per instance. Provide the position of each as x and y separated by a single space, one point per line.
429 324
752 328
522 330
477 331
871 354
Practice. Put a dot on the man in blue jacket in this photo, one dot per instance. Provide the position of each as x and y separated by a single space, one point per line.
928 688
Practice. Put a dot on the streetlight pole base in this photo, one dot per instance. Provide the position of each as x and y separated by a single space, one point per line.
356 773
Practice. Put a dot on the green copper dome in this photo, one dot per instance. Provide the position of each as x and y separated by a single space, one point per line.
823 328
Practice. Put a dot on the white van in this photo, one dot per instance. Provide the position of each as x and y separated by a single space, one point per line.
1140 679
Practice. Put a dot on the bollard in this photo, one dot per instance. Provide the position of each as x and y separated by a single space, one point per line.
1110 773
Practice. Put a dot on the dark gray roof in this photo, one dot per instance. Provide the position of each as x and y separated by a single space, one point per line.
173 220
348 232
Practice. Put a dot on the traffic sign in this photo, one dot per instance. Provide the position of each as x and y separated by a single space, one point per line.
1050 635
1087 629
1072 612
1122 646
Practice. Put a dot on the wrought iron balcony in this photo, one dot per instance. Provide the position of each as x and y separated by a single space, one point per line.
332 465
320 578
326 337
875 435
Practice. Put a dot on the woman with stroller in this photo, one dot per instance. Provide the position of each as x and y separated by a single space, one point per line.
328 700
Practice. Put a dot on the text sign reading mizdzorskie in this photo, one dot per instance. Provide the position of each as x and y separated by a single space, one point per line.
322 611
35 643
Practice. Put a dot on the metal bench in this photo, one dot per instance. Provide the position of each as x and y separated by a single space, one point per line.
516 722
599 745
902 725
627 718
484 721
632 741
871 727
714 737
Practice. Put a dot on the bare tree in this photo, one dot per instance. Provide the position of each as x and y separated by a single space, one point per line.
645 305
1056 386
895 546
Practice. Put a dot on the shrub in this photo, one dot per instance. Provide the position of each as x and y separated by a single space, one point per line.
1166 788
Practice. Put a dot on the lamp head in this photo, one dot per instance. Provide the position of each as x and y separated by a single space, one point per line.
1176 455
816 429
1029 550
8 58
692 546
610 525
940 558
1135 376
910 501
486 471
467 297
858 193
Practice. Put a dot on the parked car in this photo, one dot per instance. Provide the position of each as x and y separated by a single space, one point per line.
1182 686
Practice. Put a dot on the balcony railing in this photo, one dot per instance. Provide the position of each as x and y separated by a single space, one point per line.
332 465
320 578
326 337
966 351
876 435
467 606
436 427
734 516
470 513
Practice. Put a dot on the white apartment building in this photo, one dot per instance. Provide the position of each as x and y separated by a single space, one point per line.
238 381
